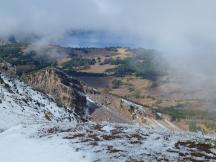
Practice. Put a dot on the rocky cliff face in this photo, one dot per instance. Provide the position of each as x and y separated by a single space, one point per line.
66 91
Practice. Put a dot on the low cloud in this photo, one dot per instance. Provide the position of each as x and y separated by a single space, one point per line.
169 25
183 30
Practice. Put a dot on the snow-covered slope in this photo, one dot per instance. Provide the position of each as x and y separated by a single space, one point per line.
21 144
21 104
24 111
133 143
34 128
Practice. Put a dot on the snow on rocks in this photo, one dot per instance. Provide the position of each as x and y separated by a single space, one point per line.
23 111
118 142
34 128
21 104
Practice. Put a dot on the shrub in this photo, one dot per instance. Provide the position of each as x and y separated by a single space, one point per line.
77 61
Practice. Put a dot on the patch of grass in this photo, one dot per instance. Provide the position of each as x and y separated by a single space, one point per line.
181 113
193 127
211 125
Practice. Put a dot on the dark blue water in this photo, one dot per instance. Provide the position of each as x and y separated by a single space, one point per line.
98 40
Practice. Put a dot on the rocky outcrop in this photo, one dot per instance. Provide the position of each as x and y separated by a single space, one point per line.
7 68
66 91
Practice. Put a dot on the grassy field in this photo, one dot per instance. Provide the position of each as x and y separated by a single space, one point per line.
98 68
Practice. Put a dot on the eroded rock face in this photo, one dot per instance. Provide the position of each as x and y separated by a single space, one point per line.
66 91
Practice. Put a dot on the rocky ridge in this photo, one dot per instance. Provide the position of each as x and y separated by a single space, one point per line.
66 91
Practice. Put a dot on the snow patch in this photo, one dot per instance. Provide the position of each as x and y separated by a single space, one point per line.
17 146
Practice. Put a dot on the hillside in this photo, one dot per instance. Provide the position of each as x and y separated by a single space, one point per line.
31 118
138 75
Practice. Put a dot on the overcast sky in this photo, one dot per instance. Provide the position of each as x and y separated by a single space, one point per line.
164 22
183 29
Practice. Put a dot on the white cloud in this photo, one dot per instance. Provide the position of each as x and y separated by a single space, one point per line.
165 21
184 30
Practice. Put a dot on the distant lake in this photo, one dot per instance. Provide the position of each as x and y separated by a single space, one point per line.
98 40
